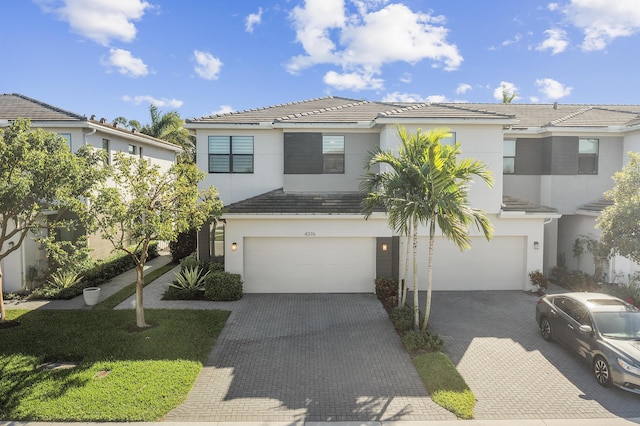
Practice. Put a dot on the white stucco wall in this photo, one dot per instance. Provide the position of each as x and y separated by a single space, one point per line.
267 162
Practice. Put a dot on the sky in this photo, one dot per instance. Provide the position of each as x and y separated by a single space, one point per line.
113 58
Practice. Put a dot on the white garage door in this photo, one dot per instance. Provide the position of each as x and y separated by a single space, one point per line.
309 265
498 264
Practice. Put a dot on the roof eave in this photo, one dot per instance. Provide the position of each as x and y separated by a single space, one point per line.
135 137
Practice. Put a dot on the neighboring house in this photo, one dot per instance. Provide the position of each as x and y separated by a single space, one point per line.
289 177
564 156
21 266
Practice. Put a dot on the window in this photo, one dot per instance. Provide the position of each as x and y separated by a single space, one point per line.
140 152
332 154
107 151
509 157
449 140
230 154
67 137
588 156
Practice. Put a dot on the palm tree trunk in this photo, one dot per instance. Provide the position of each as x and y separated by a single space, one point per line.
427 308
416 303
140 322
406 267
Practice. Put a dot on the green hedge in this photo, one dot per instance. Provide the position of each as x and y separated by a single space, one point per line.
101 272
223 286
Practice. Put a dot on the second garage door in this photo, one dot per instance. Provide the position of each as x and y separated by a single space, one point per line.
309 265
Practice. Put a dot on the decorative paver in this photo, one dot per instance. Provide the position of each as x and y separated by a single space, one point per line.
308 357
493 339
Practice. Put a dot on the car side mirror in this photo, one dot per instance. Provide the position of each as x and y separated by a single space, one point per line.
586 329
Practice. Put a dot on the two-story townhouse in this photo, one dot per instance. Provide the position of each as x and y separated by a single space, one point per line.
289 176
564 156
21 265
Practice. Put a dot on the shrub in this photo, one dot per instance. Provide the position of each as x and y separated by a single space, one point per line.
184 245
386 287
174 293
402 318
190 279
223 286
539 280
581 281
63 279
422 341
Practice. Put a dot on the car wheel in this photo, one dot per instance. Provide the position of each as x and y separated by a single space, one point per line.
602 371
545 329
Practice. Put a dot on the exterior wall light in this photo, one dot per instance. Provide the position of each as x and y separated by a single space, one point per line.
536 245
234 246
384 247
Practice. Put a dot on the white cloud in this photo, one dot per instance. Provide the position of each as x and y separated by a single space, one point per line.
352 81
252 20
364 41
603 20
99 20
207 65
406 78
552 89
125 63
553 6
516 39
463 88
162 102
504 85
224 109
556 41
403 97
437 99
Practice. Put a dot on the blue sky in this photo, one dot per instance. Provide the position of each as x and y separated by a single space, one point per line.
113 57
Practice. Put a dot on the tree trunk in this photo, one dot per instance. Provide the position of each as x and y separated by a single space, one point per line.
406 268
140 322
3 314
427 308
416 303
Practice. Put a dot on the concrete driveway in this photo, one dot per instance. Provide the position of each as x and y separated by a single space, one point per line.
308 357
493 339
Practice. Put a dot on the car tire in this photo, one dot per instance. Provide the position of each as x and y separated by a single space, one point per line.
601 371
545 329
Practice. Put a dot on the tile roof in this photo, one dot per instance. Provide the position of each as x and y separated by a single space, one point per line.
512 204
14 106
343 110
595 206
280 202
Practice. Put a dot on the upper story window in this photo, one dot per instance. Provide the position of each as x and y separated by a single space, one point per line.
107 150
66 137
509 157
140 151
230 154
332 154
133 150
588 156
449 140
312 153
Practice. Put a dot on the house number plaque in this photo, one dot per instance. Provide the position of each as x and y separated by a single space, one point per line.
309 234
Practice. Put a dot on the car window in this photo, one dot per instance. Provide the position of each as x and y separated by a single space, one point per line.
568 306
581 315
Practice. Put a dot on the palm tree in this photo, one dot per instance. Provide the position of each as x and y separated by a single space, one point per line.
426 185
170 127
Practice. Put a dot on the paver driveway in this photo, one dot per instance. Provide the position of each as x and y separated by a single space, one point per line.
493 339
313 357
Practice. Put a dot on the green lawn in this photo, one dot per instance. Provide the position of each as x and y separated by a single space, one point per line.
150 371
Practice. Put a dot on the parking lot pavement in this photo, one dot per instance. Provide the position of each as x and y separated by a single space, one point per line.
493 339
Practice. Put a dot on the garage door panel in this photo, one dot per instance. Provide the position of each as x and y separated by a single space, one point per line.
309 265
498 264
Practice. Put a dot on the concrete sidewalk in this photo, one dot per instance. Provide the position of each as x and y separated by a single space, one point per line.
107 289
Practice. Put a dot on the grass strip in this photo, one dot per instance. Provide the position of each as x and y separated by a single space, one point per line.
125 292
149 372
445 384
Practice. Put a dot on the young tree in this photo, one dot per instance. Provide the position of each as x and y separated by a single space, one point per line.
147 204
38 174
620 222
507 96
170 127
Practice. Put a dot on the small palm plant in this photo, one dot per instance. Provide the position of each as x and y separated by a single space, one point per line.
190 279
64 279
